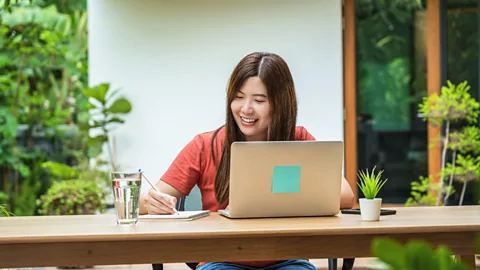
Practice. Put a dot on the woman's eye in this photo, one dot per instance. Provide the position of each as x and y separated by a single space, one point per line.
260 101
238 97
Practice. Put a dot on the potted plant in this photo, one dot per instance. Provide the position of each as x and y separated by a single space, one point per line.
370 184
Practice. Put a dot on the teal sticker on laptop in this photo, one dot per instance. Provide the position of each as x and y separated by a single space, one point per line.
286 179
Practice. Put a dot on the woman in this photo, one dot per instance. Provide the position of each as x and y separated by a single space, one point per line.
261 105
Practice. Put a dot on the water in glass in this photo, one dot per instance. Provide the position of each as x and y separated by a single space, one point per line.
126 190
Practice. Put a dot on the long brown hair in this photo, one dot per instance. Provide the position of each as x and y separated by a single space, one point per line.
275 74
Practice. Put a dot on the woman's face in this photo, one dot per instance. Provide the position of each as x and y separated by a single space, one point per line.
251 109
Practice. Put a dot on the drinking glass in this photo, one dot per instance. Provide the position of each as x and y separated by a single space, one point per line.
126 190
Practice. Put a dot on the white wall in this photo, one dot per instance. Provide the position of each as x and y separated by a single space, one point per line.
172 59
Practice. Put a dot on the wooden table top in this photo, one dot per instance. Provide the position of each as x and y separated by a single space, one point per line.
87 228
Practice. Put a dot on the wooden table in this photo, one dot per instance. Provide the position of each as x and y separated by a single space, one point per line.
97 240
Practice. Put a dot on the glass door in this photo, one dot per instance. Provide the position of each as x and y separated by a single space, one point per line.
391 81
460 29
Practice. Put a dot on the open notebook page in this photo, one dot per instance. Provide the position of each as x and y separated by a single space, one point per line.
180 215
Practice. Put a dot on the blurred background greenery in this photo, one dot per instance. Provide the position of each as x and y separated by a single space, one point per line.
48 112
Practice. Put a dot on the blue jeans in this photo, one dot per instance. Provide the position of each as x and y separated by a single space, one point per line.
286 265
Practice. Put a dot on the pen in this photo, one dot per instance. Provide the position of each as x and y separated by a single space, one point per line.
155 188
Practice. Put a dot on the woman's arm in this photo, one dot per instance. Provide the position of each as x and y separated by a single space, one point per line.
347 198
179 179
167 194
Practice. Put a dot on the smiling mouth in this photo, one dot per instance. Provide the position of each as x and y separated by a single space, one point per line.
248 120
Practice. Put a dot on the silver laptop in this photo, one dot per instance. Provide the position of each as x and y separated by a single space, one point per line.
285 179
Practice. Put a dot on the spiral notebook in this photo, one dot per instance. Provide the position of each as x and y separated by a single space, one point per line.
182 215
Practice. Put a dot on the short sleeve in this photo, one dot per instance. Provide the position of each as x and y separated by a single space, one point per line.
186 169
303 135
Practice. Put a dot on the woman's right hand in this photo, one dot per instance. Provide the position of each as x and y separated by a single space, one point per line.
159 203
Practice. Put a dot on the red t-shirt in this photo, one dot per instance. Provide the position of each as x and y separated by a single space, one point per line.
194 165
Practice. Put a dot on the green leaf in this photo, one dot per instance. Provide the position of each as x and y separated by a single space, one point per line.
112 94
6 4
98 92
3 197
93 104
97 140
96 124
390 252
95 145
8 124
121 105
419 256
94 150
60 170
24 170
116 120
444 258
5 60
415 255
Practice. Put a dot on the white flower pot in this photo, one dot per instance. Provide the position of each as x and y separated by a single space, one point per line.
370 209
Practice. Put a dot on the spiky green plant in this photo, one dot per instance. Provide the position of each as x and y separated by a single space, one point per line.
370 183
